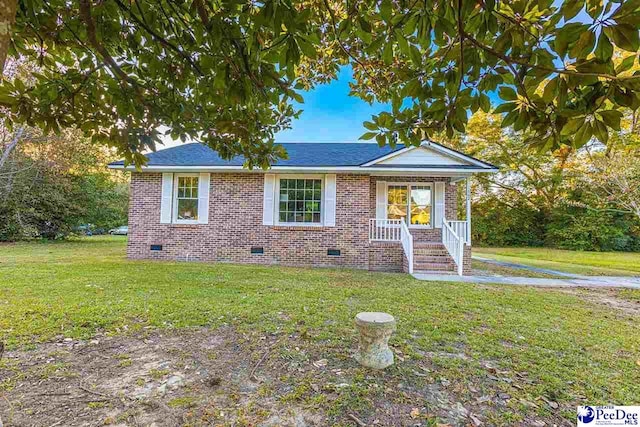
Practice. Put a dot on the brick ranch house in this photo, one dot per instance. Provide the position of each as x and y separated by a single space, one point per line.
352 205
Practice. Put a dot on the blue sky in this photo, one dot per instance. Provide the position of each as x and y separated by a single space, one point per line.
330 114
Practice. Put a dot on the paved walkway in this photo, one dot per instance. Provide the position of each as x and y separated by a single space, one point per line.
529 268
566 280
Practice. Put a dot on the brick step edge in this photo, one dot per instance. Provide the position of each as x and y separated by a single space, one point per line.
445 259
430 252
432 266
438 272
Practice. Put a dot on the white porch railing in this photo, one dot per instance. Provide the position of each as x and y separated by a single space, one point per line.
461 229
392 230
385 230
454 244
407 245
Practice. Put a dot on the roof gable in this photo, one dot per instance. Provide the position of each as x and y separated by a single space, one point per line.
421 156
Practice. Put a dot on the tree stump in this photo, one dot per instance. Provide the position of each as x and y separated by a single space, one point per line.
375 329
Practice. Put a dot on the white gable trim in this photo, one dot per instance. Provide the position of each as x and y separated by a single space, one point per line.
435 147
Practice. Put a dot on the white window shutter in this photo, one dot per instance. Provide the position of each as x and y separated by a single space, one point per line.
268 207
381 199
203 198
330 200
439 208
167 198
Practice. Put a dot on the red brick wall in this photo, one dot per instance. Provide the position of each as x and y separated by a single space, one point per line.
235 225
385 256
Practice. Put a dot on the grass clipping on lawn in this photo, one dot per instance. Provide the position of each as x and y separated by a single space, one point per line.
466 352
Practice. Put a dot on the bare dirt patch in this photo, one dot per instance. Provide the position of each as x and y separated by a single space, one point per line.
609 297
222 377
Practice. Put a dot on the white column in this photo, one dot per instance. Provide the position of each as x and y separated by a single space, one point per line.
468 211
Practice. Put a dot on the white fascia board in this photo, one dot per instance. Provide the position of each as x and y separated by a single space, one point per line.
436 147
311 169
454 153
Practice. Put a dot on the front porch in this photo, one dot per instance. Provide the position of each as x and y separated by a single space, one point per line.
450 255
412 223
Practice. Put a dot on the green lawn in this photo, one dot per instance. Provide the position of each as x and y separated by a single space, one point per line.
552 345
587 263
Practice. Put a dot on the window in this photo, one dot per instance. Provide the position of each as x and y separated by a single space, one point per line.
300 201
186 199
410 203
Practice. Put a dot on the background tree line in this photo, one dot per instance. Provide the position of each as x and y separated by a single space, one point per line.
585 198
50 185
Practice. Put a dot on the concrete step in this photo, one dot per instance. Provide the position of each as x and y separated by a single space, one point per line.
433 266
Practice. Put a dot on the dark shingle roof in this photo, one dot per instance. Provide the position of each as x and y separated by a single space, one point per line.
300 154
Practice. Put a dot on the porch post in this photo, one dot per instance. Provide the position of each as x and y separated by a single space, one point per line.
468 211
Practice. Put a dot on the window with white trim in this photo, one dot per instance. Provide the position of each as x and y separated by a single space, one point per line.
412 203
186 198
300 200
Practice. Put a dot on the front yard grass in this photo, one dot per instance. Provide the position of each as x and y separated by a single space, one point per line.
537 353
577 262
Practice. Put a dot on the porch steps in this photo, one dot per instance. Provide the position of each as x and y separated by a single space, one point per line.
432 258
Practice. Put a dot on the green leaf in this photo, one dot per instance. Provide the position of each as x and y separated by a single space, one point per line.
594 8
507 93
307 48
484 103
509 119
604 49
583 135
626 64
572 125
584 45
611 118
505 108
570 8
624 36
370 126
387 53
600 131
385 10
381 140
368 135
550 90
416 58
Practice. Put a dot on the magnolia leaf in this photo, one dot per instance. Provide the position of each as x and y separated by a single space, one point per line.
611 118
368 135
572 125
600 131
604 49
370 126
570 8
624 36
505 107
584 45
507 93
550 91
583 135
484 103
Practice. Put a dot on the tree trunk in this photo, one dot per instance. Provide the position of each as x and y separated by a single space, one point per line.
12 144
7 19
